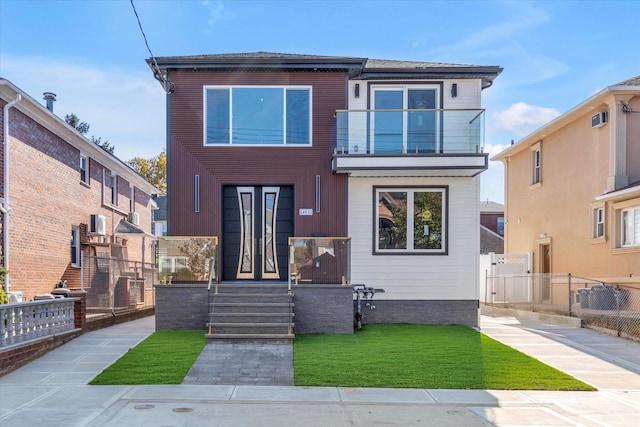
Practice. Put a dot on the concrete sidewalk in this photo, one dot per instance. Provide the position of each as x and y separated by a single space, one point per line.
53 390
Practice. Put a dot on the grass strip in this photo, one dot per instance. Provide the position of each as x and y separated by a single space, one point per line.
421 356
165 357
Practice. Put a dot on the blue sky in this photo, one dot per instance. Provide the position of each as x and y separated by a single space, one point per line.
555 54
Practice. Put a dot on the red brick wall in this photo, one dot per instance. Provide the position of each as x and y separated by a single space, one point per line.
490 220
47 199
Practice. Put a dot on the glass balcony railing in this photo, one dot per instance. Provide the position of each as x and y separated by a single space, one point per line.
392 132
187 259
319 260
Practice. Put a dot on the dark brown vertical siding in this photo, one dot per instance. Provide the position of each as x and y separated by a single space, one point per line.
219 166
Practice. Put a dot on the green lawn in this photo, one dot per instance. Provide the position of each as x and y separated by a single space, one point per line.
400 356
421 356
165 357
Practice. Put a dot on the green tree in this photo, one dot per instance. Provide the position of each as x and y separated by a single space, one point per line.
83 128
154 170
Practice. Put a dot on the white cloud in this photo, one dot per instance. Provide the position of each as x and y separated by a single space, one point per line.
521 119
125 108
217 12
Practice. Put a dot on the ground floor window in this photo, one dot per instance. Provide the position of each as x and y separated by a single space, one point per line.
630 227
75 246
410 220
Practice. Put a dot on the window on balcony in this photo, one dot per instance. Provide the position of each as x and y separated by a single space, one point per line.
257 115
405 120
411 220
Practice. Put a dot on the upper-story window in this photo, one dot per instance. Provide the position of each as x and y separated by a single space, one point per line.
500 225
132 198
630 227
536 164
405 119
84 169
257 115
113 189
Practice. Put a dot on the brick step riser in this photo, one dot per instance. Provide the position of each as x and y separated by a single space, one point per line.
242 308
282 299
250 318
249 330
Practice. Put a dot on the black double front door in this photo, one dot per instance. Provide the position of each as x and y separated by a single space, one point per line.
257 222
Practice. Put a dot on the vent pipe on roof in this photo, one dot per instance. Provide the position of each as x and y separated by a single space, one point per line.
50 98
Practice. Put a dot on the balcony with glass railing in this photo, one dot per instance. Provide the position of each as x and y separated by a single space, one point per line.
435 142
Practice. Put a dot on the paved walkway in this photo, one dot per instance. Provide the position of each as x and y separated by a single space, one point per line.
53 390
243 364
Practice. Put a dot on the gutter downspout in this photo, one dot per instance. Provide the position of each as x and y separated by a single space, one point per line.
4 207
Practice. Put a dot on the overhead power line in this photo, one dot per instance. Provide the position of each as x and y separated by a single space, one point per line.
167 84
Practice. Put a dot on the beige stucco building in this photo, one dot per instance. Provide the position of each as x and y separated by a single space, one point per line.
572 189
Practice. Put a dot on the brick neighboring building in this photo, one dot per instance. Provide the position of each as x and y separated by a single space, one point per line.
55 182
491 227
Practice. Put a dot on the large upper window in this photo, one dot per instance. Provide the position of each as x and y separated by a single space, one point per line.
411 220
405 120
257 115
630 227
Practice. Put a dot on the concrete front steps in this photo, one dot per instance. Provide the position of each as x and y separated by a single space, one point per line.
250 311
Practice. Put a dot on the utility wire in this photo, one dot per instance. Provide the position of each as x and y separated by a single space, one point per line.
166 83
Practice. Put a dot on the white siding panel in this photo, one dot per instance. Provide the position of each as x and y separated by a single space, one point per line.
421 277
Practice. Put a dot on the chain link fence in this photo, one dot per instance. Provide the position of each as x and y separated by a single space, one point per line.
611 307
116 285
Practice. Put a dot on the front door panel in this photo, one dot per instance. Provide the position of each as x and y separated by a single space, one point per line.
257 223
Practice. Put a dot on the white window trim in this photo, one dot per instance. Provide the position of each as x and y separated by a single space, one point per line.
230 143
599 223
410 220
536 165
87 178
75 237
633 214
113 188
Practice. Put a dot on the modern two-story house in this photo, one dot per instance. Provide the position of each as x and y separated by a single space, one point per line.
64 197
264 146
572 189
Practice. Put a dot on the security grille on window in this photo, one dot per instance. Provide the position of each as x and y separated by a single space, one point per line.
411 220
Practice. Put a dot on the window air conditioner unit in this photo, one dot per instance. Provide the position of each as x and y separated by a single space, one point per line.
98 225
134 218
598 120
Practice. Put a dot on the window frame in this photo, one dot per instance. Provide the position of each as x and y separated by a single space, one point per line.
83 168
634 212
599 221
411 191
536 164
75 246
113 187
231 88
